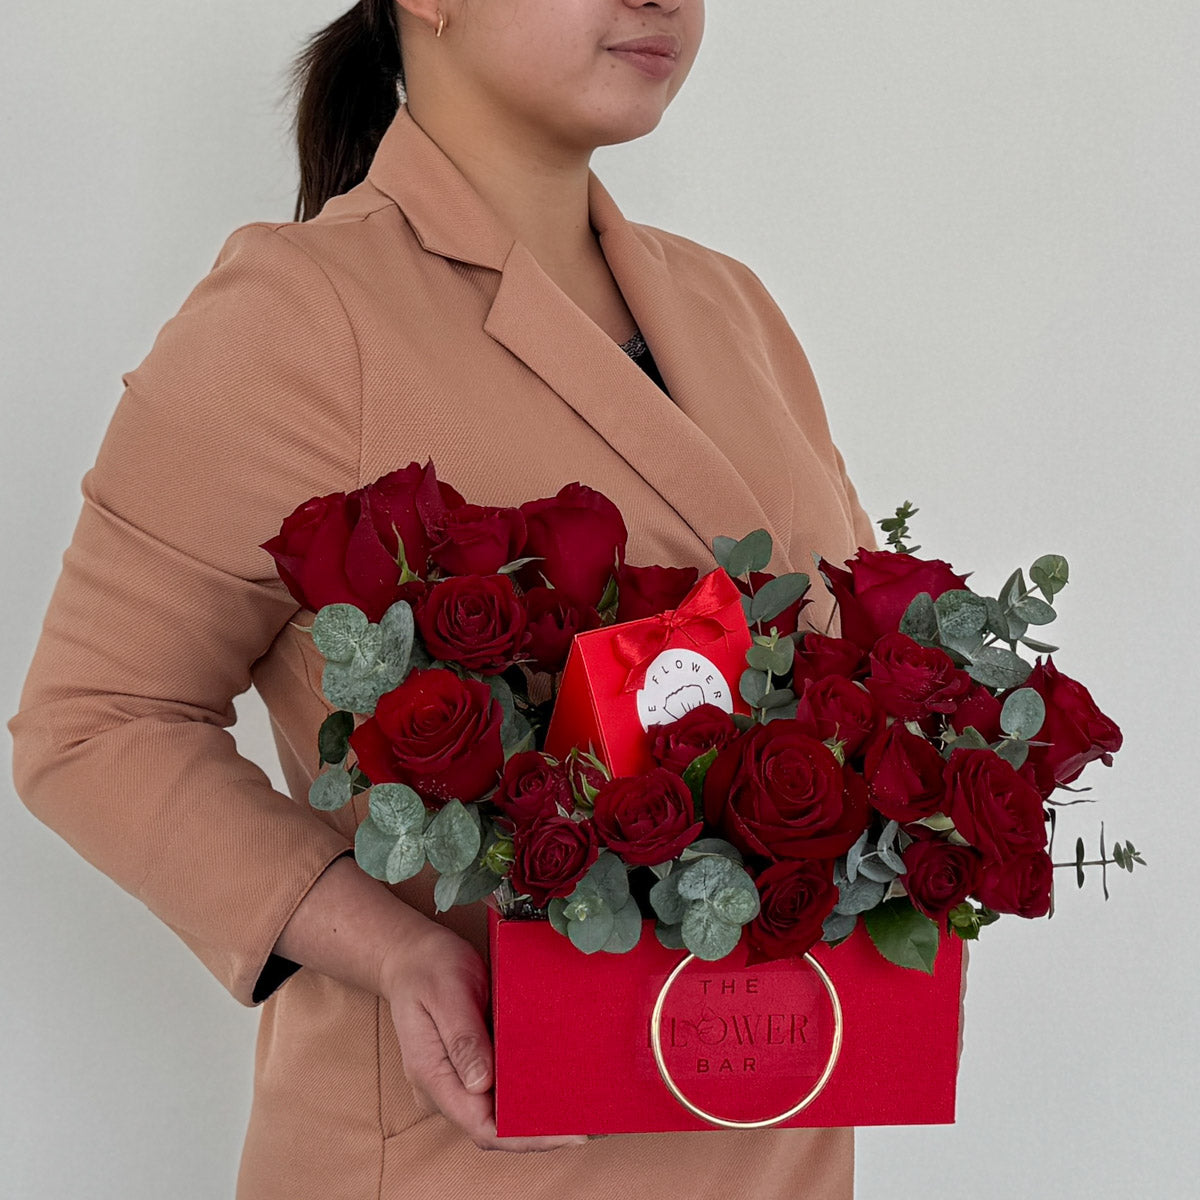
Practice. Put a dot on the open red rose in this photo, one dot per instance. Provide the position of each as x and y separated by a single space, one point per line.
836 707
413 503
939 876
579 538
474 540
996 810
904 774
647 819
788 620
911 681
701 728
1019 884
532 786
550 856
477 621
878 585
794 900
819 655
437 733
554 619
648 591
1078 732
780 793
326 552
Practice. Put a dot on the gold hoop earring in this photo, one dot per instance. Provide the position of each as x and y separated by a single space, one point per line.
441 23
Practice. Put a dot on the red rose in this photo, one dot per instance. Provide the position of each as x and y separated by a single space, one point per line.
474 540
981 709
413 503
579 537
1076 729
326 552
550 856
992 806
910 681
477 621
794 900
583 776
554 620
820 655
437 733
648 591
699 729
939 876
837 708
647 819
904 774
779 793
1020 884
879 585
788 620
532 786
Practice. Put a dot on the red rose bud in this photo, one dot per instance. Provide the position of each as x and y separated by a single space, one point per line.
550 856
437 733
586 778
553 621
579 537
992 806
1078 732
911 681
326 552
648 591
1019 884
533 786
835 708
904 774
647 819
794 900
780 793
873 594
411 502
788 620
820 655
676 745
981 709
939 876
477 621
478 541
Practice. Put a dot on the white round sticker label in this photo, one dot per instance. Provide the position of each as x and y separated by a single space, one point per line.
678 681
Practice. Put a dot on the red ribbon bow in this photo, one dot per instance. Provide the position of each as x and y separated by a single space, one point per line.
698 619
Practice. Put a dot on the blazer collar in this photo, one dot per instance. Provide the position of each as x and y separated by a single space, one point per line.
673 443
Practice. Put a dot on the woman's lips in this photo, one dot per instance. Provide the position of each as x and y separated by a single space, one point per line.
657 66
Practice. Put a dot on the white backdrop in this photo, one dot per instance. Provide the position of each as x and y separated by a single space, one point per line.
980 219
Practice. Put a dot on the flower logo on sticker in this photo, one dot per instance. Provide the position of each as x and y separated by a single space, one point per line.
676 682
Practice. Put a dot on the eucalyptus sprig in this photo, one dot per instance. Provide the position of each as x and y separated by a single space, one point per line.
1123 856
897 528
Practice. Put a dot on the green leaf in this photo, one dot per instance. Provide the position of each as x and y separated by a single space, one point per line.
1023 713
1014 586
1034 611
995 667
1014 751
554 910
330 790
902 935
997 622
939 822
1038 647
670 936
735 905
1079 857
453 838
857 896
445 891
627 929
703 878
752 686
386 856
339 631
703 846
695 774
722 548
1119 856
920 618
777 594
838 926
511 568
706 935
1050 574
969 739
333 738
752 553
777 698
960 614
396 808
760 658
591 934
397 633
608 879
666 901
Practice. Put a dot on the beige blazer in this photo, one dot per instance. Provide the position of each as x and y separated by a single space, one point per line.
402 323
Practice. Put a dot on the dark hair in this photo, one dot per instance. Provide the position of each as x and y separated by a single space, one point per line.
346 80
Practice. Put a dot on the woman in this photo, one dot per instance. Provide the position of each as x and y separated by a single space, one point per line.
462 288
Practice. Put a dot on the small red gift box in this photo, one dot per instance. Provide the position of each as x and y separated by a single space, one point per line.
575 1036
622 680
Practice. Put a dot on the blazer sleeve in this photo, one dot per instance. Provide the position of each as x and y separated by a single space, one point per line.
248 403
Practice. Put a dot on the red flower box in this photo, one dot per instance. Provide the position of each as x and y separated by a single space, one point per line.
574 1048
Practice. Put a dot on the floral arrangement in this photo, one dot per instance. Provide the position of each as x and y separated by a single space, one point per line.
904 772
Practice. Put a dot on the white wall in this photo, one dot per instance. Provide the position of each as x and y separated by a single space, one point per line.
980 220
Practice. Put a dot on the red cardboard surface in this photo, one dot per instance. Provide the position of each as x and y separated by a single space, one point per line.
573 1051
594 708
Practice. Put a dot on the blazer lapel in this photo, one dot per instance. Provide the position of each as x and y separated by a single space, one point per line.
673 446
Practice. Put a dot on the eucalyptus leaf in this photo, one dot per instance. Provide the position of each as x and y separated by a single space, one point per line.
996 667
338 631
887 836
330 790
752 553
445 891
1013 587
554 910
920 618
609 879
960 613
591 934
782 712
752 686
706 935
1023 713
969 739
453 838
722 547
735 905
702 879
903 936
627 929
997 622
1050 574
333 738
397 635
855 853
670 936
777 594
1014 751
874 867
666 901
705 846
1038 647
838 926
859 896
760 658
694 775
1034 611
511 568
396 808
373 850
777 698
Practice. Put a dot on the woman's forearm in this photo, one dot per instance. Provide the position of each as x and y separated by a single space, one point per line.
350 926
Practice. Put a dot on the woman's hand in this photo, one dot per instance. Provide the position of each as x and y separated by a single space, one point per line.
437 986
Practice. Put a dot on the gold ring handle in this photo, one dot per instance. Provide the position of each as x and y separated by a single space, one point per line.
766 1122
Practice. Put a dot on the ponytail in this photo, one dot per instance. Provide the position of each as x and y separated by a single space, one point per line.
347 80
